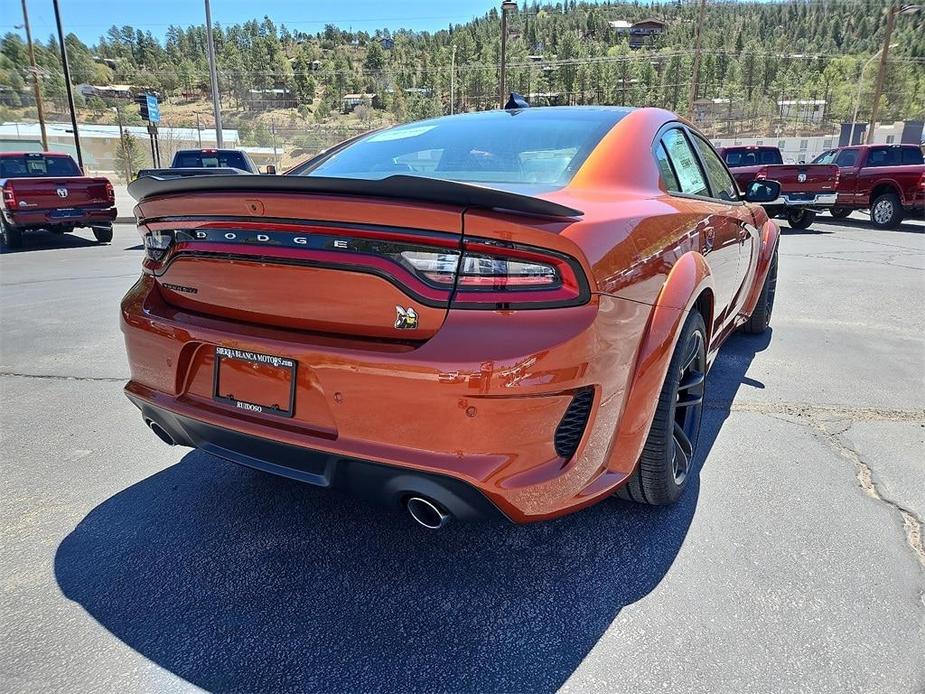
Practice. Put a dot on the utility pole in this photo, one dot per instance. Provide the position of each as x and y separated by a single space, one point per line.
452 80
67 84
213 75
506 7
695 76
125 157
198 130
35 77
881 71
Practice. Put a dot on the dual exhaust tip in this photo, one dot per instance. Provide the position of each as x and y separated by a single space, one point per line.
160 432
427 513
424 511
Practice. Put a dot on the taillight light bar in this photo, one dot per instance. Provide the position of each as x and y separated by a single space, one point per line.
110 193
437 269
9 197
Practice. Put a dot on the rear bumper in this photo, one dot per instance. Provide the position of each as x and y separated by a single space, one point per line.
383 484
480 402
82 217
798 200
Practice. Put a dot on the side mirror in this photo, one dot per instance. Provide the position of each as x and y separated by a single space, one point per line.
271 170
762 191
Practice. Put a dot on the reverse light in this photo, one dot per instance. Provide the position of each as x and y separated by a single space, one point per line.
157 243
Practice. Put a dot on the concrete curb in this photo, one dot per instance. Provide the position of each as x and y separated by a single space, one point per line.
124 220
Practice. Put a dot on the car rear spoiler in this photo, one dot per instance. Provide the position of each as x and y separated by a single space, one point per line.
399 186
186 172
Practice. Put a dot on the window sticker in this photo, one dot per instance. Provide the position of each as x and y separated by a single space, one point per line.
685 164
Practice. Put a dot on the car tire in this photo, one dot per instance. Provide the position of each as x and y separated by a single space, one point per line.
12 237
665 465
103 234
760 319
800 219
839 212
886 212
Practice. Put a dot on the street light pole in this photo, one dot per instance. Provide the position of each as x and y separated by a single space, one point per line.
506 7
125 158
67 84
35 77
452 80
857 99
213 75
695 76
890 21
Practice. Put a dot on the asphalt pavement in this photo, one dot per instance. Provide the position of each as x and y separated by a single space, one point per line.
794 562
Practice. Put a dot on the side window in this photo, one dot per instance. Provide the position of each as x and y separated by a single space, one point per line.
721 182
847 157
690 176
912 155
883 156
664 168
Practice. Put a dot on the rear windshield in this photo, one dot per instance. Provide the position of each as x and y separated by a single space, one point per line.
492 147
211 160
751 157
37 165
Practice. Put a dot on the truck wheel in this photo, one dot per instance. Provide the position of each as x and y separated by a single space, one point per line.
886 212
839 212
800 219
103 234
760 319
12 237
667 460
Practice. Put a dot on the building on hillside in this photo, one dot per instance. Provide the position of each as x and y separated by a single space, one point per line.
642 33
105 91
351 101
802 110
387 43
264 99
621 26
707 111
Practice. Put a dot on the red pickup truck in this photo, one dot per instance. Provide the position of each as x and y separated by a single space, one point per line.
47 190
888 180
805 189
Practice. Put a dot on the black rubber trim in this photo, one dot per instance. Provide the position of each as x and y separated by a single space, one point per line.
399 186
376 482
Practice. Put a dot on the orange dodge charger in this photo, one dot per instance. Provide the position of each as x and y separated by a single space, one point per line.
502 313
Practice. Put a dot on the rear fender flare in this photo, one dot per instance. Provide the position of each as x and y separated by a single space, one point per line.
686 282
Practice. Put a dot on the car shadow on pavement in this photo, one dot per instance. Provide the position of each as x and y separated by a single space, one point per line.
46 241
237 580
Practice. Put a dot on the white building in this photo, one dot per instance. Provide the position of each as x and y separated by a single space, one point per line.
802 110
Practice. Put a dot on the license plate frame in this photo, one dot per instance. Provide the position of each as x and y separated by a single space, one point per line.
266 360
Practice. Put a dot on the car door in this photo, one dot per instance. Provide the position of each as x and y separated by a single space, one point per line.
719 228
847 162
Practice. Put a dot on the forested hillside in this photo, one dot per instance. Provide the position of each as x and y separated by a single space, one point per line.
754 55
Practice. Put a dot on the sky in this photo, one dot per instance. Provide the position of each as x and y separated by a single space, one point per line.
91 18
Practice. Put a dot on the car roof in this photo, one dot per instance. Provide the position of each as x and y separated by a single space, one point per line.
24 153
594 114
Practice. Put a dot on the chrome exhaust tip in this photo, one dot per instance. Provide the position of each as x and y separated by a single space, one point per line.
160 432
427 513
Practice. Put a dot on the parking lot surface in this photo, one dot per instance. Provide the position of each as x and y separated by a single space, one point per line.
793 563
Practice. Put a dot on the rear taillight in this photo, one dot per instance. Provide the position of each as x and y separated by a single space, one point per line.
436 269
157 243
9 197
503 275
110 193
